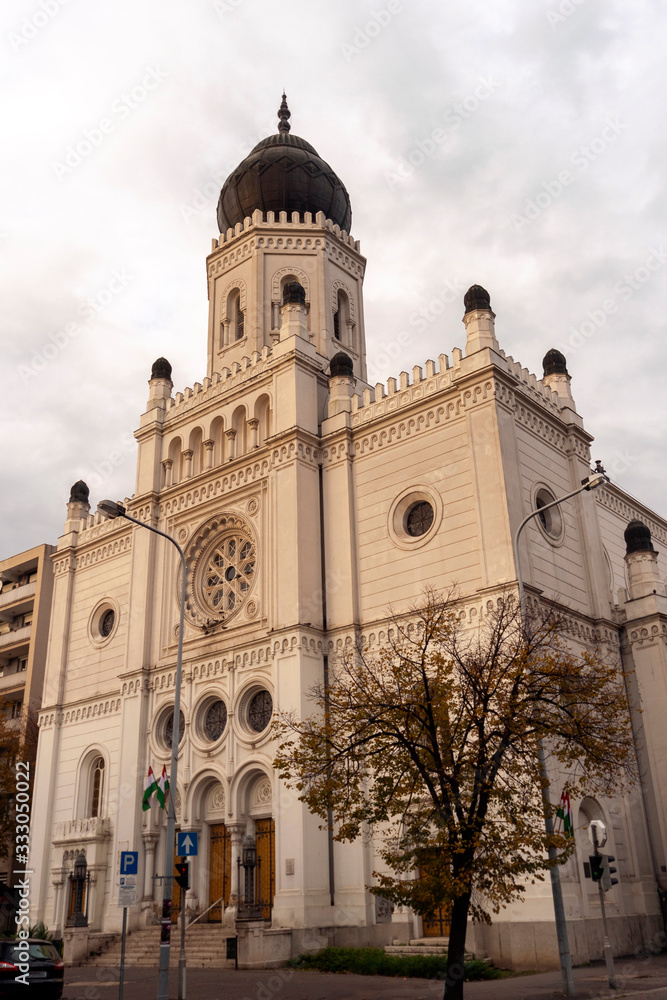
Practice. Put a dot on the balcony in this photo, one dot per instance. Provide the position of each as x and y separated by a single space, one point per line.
20 636
23 593
13 682
91 828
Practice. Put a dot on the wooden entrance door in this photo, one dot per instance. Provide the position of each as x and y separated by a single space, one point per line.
438 925
265 838
221 870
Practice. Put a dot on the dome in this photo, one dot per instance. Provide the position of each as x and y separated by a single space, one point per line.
554 363
476 298
638 538
294 292
161 369
283 173
79 492
341 364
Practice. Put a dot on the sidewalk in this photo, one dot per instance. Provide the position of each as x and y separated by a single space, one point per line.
642 978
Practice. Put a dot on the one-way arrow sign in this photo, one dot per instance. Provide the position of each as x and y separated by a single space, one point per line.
186 843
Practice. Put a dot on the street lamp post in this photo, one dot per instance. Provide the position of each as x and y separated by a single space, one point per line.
590 483
112 510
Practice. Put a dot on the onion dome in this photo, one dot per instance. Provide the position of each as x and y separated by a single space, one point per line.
283 173
161 369
638 538
341 364
476 298
294 292
554 363
79 492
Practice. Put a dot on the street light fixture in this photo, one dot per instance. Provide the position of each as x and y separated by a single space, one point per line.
112 510
590 483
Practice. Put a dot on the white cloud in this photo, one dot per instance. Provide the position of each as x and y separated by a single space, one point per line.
121 209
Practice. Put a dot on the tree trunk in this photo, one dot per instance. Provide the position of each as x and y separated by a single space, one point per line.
456 949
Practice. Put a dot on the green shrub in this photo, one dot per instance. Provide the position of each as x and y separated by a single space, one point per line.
375 962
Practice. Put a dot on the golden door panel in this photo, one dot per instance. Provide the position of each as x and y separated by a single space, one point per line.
265 834
221 870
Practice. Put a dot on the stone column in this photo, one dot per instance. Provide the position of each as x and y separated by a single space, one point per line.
150 841
230 435
253 424
187 455
237 832
167 465
208 457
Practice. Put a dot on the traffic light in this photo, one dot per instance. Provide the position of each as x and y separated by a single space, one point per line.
183 874
608 871
596 863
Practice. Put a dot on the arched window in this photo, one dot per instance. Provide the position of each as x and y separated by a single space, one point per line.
96 786
235 316
342 320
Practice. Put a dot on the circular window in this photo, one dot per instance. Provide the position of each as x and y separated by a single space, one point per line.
419 518
168 729
103 622
227 572
222 567
107 622
215 720
414 517
549 520
260 710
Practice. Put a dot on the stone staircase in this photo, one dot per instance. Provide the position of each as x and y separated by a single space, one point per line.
419 946
205 948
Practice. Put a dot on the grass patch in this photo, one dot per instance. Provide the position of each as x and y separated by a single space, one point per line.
375 962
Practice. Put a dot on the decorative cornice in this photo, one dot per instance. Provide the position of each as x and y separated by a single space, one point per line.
628 509
453 408
646 633
106 551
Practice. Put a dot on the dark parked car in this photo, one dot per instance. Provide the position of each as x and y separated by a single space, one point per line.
45 969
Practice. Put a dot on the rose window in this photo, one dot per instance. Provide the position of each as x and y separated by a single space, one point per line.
228 573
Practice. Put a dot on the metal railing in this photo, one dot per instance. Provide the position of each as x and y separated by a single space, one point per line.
205 911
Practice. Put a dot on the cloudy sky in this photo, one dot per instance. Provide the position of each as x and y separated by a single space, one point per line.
520 146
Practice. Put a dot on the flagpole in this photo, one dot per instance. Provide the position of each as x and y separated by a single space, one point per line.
110 509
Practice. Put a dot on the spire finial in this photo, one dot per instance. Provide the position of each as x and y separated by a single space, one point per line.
283 114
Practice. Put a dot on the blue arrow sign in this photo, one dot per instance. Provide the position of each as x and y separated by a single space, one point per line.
129 862
186 843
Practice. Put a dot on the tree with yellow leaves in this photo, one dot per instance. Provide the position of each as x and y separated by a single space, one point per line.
429 738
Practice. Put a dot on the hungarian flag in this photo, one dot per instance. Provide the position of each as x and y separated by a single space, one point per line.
150 788
564 814
162 787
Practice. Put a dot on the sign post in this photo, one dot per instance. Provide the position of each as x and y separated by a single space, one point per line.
608 953
187 846
127 896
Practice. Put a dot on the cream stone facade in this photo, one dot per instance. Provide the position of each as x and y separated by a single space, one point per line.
308 502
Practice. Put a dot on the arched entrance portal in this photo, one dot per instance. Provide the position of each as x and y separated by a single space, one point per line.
257 883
